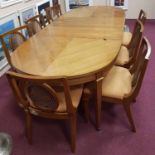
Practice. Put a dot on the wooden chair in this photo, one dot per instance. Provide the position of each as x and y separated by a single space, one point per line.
49 14
128 54
46 97
121 85
127 36
53 12
12 39
36 23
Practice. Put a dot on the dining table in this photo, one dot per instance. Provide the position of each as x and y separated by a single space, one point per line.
81 45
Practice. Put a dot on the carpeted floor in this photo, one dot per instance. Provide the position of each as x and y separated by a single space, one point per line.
114 138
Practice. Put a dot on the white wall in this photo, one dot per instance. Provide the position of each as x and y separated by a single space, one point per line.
99 2
134 6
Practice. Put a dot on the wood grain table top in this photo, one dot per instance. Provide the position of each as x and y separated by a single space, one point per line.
79 43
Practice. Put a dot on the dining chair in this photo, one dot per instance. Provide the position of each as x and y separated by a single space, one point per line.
12 39
36 23
53 12
128 54
49 14
127 36
46 97
122 85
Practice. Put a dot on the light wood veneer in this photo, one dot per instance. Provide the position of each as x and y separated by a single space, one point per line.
79 43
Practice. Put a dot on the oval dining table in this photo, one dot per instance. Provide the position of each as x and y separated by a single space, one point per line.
81 45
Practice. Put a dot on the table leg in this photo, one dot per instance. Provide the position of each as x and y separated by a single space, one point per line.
98 102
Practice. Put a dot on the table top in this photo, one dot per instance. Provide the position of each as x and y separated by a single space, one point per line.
79 43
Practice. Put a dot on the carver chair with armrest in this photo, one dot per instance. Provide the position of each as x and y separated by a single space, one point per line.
121 85
127 55
12 39
127 36
36 23
53 12
46 97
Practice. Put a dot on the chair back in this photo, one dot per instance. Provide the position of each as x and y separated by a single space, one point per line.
35 23
142 16
139 67
135 41
53 12
56 11
40 94
49 14
12 39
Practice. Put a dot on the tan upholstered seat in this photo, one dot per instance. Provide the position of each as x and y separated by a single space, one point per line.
117 83
123 56
126 38
75 93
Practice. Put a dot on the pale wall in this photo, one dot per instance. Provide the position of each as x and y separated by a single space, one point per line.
134 6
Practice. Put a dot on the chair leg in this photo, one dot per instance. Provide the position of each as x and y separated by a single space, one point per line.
129 115
98 114
73 133
85 103
28 127
98 103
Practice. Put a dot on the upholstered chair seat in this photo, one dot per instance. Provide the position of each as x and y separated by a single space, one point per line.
76 93
117 83
126 38
123 56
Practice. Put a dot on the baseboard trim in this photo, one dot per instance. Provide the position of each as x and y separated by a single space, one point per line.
4 70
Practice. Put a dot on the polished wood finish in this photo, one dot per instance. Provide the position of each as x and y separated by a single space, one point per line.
78 44
15 38
135 43
142 16
46 97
